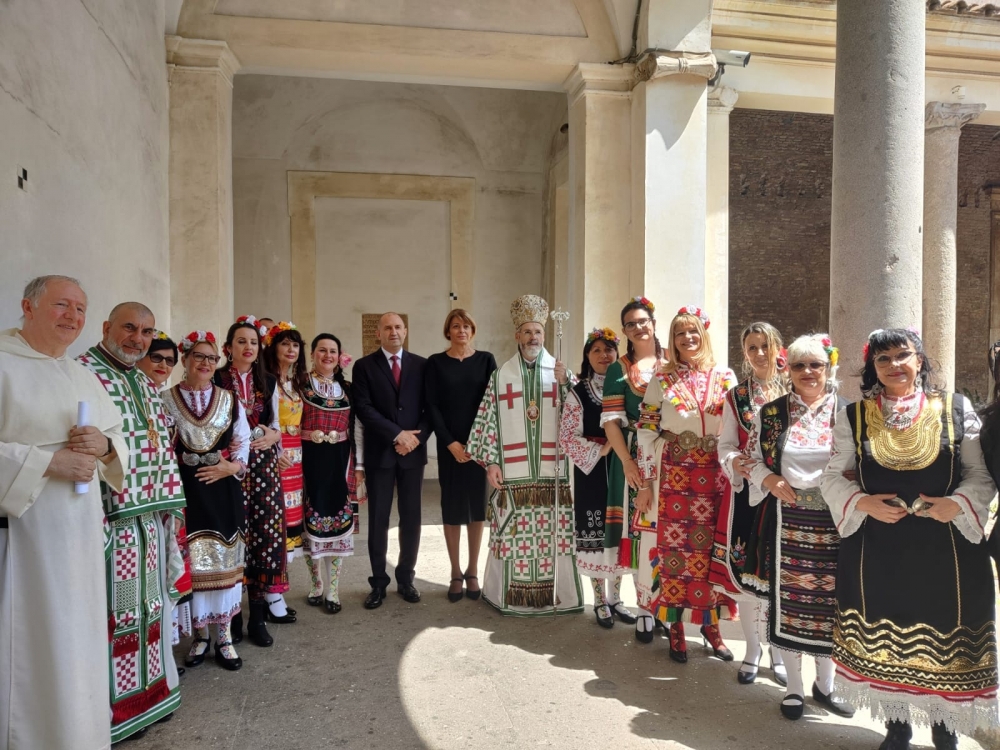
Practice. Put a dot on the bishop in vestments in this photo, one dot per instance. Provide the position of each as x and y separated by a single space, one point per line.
531 567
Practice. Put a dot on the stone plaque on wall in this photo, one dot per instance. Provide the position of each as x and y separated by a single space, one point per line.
369 332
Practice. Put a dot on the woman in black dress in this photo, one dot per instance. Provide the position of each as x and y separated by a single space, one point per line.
456 380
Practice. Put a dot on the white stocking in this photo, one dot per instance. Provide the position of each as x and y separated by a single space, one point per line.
793 663
749 617
276 603
826 670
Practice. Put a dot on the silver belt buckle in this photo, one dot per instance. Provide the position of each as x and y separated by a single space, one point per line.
257 433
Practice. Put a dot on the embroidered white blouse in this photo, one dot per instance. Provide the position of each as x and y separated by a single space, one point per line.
806 451
729 438
582 451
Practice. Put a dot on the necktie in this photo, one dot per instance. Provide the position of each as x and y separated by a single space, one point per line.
395 369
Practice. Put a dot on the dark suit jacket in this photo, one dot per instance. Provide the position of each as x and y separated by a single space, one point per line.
385 410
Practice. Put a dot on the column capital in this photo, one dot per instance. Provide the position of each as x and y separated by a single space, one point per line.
202 53
598 78
667 63
721 100
950 115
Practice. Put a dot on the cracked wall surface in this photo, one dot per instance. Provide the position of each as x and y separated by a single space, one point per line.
83 108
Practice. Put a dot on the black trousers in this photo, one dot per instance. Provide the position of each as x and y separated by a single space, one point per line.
408 483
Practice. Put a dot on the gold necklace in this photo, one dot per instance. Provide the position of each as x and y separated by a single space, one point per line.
911 449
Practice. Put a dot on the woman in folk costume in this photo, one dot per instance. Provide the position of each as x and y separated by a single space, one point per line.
584 442
624 388
795 541
207 420
285 358
909 491
158 365
679 424
330 500
763 364
265 575
531 568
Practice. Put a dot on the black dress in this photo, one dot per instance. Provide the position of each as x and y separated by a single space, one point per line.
454 389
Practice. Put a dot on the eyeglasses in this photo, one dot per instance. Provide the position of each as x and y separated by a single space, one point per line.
157 359
210 358
803 366
884 360
634 324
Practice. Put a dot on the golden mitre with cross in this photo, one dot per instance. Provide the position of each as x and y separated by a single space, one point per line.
529 308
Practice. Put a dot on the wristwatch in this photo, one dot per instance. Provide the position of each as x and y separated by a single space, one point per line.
111 447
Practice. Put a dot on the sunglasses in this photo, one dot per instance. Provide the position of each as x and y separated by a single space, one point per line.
803 366
884 360
157 359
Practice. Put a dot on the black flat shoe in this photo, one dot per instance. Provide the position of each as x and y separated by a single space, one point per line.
457 596
833 702
375 599
331 607
943 739
137 735
409 593
194 661
180 671
314 601
236 627
469 592
233 665
256 629
898 735
623 613
793 711
604 622
746 676
288 617
644 636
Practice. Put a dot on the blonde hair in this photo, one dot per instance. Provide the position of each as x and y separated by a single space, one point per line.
774 381
703 359
462 315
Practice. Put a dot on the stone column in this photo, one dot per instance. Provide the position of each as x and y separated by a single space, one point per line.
599 197
670 160
201 185
876 241
721 101
994 191
943 124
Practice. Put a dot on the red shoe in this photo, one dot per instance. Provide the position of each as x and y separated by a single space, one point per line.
712 636
678 644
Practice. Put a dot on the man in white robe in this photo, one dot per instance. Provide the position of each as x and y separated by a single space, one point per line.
53 600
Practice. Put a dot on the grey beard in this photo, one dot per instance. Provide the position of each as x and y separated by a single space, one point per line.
119 353
531 352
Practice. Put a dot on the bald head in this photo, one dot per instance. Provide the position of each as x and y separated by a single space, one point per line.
391 332
128 331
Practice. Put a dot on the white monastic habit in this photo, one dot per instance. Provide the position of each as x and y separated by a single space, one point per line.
53 598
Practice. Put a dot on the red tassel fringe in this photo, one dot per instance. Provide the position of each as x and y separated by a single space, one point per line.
135 705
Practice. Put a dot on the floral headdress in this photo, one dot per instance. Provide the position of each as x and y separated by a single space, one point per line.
345 361
831 351
696 312
161 336
781 361
194 338
251 321
644 301
285 325
603 333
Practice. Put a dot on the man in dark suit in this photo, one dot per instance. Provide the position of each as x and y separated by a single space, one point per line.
388 392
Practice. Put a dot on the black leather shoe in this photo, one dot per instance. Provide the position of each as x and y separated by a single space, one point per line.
409 592
138 735
286 618
331 607
232 665
237 627
793 710
645 636
943 739
833 702
623 613
897 737
747 672
604 622
194 661
314 601
375 599
256 629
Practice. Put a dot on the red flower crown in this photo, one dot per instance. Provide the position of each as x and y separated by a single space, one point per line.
696 312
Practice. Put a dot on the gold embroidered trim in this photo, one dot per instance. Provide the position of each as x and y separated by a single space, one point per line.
201 435
911 449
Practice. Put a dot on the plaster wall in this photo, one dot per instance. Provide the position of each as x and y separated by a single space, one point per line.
85 113
388 252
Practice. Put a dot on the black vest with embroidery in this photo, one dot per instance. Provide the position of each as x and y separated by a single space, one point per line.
938 478
592 408
774 424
